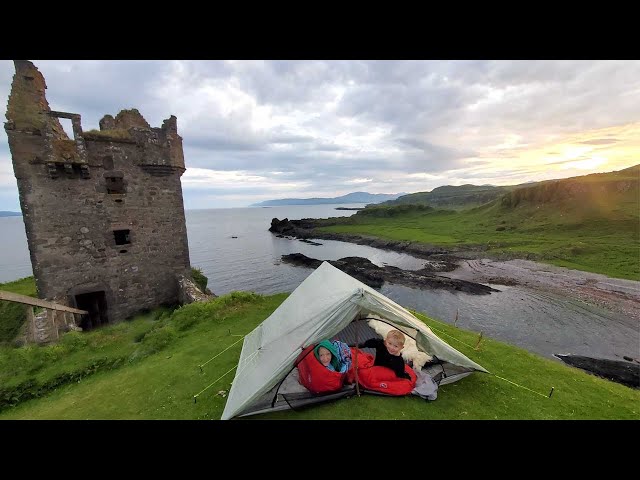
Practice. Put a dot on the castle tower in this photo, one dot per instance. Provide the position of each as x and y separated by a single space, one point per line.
103 212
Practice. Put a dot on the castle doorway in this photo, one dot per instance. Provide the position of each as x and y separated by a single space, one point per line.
96 304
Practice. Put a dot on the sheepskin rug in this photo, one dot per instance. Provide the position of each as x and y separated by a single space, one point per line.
410 352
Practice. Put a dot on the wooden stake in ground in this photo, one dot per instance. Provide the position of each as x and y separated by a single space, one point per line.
479 340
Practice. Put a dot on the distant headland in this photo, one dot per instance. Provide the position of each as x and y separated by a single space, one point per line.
355 197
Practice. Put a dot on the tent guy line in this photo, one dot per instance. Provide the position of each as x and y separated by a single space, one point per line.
532 391
213 383
497 376
216 356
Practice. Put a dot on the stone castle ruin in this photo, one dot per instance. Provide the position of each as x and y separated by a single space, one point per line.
103 211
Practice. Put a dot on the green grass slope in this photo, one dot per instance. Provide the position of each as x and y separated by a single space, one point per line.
149 369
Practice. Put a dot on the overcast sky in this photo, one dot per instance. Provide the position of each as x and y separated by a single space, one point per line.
261 130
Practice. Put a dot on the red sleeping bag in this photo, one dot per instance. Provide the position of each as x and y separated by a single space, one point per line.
315 376
380 379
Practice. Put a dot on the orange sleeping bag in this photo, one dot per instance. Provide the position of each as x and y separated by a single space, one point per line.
380 379
315 376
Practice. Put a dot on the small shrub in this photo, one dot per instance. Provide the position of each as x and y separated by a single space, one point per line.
184 322
162 312
54 352
234 298
139 337
199 278
156 340
74 341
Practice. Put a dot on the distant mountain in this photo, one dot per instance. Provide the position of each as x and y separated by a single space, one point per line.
584 190
355 197
4 213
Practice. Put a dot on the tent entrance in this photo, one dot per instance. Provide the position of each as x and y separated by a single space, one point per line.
290 394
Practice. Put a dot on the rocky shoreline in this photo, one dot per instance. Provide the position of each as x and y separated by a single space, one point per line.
437 259
374 276
627 373
440 260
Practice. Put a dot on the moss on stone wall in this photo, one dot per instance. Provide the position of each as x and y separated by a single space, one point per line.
131 118
65 150
116 134
28 107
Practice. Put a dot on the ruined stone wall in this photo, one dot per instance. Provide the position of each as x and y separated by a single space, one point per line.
124 177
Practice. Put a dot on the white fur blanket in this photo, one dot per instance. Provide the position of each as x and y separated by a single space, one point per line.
410 352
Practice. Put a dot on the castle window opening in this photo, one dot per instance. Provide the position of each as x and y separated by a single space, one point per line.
107 162
115 184
122 237
67 126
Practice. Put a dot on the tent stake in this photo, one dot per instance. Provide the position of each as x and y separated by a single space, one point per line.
479 340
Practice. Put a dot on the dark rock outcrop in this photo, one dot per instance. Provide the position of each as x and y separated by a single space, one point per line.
440 260
626 373
375 276
293 228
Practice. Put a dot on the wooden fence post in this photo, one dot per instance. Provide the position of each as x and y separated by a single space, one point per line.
51 315
31 324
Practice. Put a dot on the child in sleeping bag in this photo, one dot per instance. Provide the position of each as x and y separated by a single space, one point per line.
325 370
388 352
335 355
387 373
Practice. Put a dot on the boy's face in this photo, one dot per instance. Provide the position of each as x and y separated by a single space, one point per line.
325 356
393 346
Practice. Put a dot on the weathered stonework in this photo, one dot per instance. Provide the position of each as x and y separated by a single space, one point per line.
189 292
103 211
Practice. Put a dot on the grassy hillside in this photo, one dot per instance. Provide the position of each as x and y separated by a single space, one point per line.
451 197
589 223
149 369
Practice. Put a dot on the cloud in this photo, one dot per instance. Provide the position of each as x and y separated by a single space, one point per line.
254 129
600 141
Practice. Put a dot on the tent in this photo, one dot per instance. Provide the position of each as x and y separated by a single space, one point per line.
327 304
